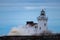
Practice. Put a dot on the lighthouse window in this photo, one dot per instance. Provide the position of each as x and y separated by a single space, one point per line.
45 24
35 26
42 14
40 27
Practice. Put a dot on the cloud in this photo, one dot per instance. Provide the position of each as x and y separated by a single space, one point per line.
28 1
39 7
34 7
27 6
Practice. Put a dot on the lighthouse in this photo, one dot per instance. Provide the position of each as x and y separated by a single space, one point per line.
32 28
42 22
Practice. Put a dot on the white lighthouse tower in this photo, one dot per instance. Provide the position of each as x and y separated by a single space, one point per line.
42 22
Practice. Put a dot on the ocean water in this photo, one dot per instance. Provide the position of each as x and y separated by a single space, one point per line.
4 30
